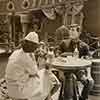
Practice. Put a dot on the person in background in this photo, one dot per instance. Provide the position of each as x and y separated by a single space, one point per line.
24 80
50 55
40 54
36 27
61 33
70 44
49 59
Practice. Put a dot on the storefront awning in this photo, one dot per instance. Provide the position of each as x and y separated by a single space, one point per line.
20 6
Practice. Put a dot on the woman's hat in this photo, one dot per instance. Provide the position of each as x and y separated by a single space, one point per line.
33 37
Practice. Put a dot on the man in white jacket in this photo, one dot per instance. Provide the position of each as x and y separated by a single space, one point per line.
24 80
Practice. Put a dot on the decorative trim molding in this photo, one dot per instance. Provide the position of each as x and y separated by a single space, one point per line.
19 6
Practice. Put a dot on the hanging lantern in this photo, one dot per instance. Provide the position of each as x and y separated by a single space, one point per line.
10 6
25 4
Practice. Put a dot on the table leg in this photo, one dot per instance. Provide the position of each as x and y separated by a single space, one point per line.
68 87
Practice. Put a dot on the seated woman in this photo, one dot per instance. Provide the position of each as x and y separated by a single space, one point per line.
40 55
24 80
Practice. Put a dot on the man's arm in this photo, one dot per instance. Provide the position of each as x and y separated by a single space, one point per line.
83 49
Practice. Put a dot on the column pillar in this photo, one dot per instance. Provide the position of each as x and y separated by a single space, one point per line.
12 30
25 20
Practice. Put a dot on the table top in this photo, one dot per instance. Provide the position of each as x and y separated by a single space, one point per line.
70 63
95 60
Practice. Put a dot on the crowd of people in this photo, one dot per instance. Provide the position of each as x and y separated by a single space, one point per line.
30 75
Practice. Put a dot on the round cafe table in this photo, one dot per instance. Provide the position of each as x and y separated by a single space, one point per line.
69 65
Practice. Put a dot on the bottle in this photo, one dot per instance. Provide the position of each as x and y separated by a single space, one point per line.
51 55
76 52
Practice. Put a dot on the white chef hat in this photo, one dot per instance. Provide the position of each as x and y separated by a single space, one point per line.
33 37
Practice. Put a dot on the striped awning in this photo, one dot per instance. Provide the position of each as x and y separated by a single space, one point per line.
19 6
